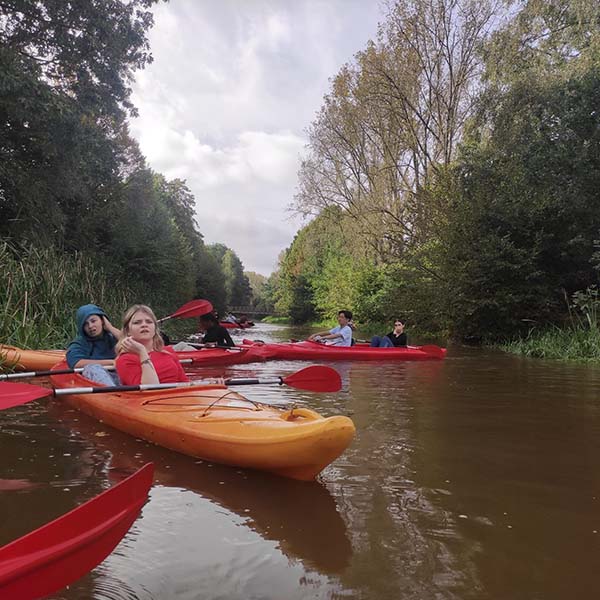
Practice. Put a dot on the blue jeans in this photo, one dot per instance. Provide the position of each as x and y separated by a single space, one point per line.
381 341
99 374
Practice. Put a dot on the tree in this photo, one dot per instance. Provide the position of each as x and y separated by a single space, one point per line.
526 213
65 69
393 118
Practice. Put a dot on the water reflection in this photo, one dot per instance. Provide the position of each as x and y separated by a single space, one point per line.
302 517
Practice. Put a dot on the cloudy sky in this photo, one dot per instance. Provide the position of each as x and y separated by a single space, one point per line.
227 101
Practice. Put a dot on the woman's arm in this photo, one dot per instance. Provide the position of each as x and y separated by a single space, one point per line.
137 355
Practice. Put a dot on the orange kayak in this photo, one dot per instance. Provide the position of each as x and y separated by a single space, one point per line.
30 360
43 360
216 424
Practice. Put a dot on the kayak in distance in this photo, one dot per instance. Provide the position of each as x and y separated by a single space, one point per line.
229 325
42 360
213 423
316 351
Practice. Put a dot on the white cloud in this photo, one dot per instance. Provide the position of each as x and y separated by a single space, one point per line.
226 102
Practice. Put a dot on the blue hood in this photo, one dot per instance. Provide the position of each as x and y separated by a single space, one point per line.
83 313
84 347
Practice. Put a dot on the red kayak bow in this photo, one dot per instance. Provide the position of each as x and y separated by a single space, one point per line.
60 552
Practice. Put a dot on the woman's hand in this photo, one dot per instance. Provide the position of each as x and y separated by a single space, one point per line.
130 345
108 326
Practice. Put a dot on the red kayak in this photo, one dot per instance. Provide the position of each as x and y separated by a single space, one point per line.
222 356
53 556
317 352
229 325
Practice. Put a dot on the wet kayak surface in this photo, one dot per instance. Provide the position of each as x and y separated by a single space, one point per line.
475 477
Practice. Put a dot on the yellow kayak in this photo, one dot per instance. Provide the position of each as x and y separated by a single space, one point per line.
216 424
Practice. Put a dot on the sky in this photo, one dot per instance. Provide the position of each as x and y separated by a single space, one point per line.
226 103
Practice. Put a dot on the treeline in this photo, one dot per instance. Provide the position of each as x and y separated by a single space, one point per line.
454 172
74 186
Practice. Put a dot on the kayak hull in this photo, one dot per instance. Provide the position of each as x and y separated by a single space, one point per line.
316 352
60 552
43 360
229 325
215 424
30 360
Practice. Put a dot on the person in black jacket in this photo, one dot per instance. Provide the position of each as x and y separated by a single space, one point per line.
213 332
394 339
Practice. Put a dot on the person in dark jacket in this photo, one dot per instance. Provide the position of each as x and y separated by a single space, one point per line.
94 347
96 339
394 339
213 332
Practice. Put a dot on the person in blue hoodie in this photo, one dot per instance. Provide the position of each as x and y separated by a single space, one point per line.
94 344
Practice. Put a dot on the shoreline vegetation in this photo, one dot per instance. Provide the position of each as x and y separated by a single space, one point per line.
573 343
578 339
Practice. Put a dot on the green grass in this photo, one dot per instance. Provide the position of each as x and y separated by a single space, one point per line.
577 342
40 290
276 320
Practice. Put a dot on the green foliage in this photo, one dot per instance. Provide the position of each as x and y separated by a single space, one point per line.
74 187
573 343
262 292
40 291
64 88
578 340
525 218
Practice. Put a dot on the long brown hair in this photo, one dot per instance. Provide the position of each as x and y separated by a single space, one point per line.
157 341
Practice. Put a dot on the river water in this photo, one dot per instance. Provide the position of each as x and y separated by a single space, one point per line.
476 477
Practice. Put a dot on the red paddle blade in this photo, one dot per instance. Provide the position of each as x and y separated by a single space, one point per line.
194 308
62 551
15 394
315 379
433 350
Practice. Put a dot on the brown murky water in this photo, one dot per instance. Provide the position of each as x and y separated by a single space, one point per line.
477 477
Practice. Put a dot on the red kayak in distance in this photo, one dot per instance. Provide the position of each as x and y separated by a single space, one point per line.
222 356
316 351
229 325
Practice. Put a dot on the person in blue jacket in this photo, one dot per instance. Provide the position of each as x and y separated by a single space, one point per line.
95 342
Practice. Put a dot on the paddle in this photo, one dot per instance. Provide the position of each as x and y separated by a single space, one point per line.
315 378
433 350
194 308
60 552
209 346
7 376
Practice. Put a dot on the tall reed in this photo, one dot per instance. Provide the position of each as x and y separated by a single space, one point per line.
40 289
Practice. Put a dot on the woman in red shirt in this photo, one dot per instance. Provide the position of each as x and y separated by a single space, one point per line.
141 355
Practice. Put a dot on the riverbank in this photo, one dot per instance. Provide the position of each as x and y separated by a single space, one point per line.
574 343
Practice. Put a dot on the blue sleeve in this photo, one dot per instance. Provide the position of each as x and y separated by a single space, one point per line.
75 352
347 335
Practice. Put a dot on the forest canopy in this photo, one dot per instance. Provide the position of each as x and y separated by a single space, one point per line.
453 171
74 183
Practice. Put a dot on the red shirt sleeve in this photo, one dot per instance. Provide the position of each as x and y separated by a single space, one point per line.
129 369
168 367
